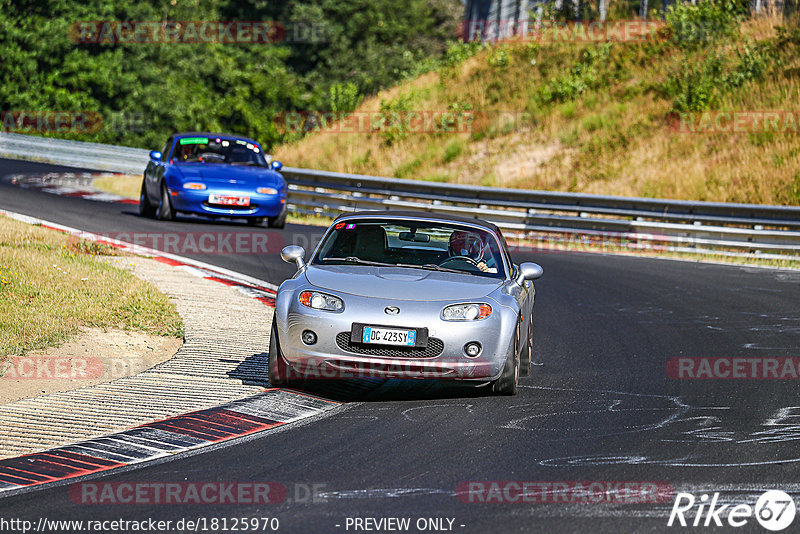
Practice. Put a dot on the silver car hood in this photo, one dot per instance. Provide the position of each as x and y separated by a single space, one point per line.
400 283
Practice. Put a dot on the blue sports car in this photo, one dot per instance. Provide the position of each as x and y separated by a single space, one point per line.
217 175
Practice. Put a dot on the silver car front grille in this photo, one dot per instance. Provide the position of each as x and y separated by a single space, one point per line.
434 348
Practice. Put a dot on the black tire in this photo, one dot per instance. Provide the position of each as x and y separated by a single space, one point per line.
279 221
254 221
506 384
146 208
165 211
527 352
278 371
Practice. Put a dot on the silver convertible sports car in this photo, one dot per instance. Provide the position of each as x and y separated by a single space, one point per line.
405 295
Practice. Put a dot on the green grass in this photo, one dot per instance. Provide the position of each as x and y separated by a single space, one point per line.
51 284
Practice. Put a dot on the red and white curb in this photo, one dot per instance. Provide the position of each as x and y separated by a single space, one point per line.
270 409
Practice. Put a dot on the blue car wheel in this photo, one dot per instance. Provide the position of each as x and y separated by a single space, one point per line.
146 208
165 212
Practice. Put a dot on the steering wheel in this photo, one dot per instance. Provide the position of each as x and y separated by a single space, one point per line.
211 156
455 258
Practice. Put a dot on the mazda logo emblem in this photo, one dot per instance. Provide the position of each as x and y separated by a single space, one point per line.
391 310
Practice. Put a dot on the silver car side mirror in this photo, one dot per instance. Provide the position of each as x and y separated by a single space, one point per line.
529 271
294 254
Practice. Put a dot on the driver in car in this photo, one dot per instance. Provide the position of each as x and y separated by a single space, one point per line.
470 245
187 153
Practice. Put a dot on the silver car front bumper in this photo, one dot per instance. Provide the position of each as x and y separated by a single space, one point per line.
332 358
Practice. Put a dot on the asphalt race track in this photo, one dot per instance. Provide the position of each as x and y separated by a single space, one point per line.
602 407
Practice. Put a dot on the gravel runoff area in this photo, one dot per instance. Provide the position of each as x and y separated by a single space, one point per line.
223 358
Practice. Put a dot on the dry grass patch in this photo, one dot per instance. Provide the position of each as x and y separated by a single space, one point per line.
593 118
125 185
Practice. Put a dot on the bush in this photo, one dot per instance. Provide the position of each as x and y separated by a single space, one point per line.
344 97
393 114
695 25
458 52
586 74
693 89
499 57
754 62
452 150
698 88
789 36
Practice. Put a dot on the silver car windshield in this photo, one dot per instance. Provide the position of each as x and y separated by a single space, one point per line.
423 245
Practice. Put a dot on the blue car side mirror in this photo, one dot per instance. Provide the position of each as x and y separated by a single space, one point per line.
276 165
155 155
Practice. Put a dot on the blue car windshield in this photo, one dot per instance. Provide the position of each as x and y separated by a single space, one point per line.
418 244
218 150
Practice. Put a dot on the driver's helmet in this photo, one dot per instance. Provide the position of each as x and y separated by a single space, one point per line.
467 244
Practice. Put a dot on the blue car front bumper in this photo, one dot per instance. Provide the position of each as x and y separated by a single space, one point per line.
197 202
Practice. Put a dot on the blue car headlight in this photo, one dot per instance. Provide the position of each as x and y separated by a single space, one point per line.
267 191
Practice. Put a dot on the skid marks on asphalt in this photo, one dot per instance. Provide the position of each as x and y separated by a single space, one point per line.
69 184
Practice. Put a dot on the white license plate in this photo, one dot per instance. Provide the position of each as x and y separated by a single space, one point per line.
389 336
226 200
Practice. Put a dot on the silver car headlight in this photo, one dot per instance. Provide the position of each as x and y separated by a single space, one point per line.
466 312
321 301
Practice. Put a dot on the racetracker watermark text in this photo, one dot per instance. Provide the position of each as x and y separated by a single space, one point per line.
733 368
238 242
70 368
419 121
181 493
323 368
112 32
565 492
777 121
50 121
592 31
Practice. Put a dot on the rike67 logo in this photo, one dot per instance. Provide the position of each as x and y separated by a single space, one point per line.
774 510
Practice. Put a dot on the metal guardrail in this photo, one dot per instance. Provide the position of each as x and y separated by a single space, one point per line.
683 225
743 227
94 156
